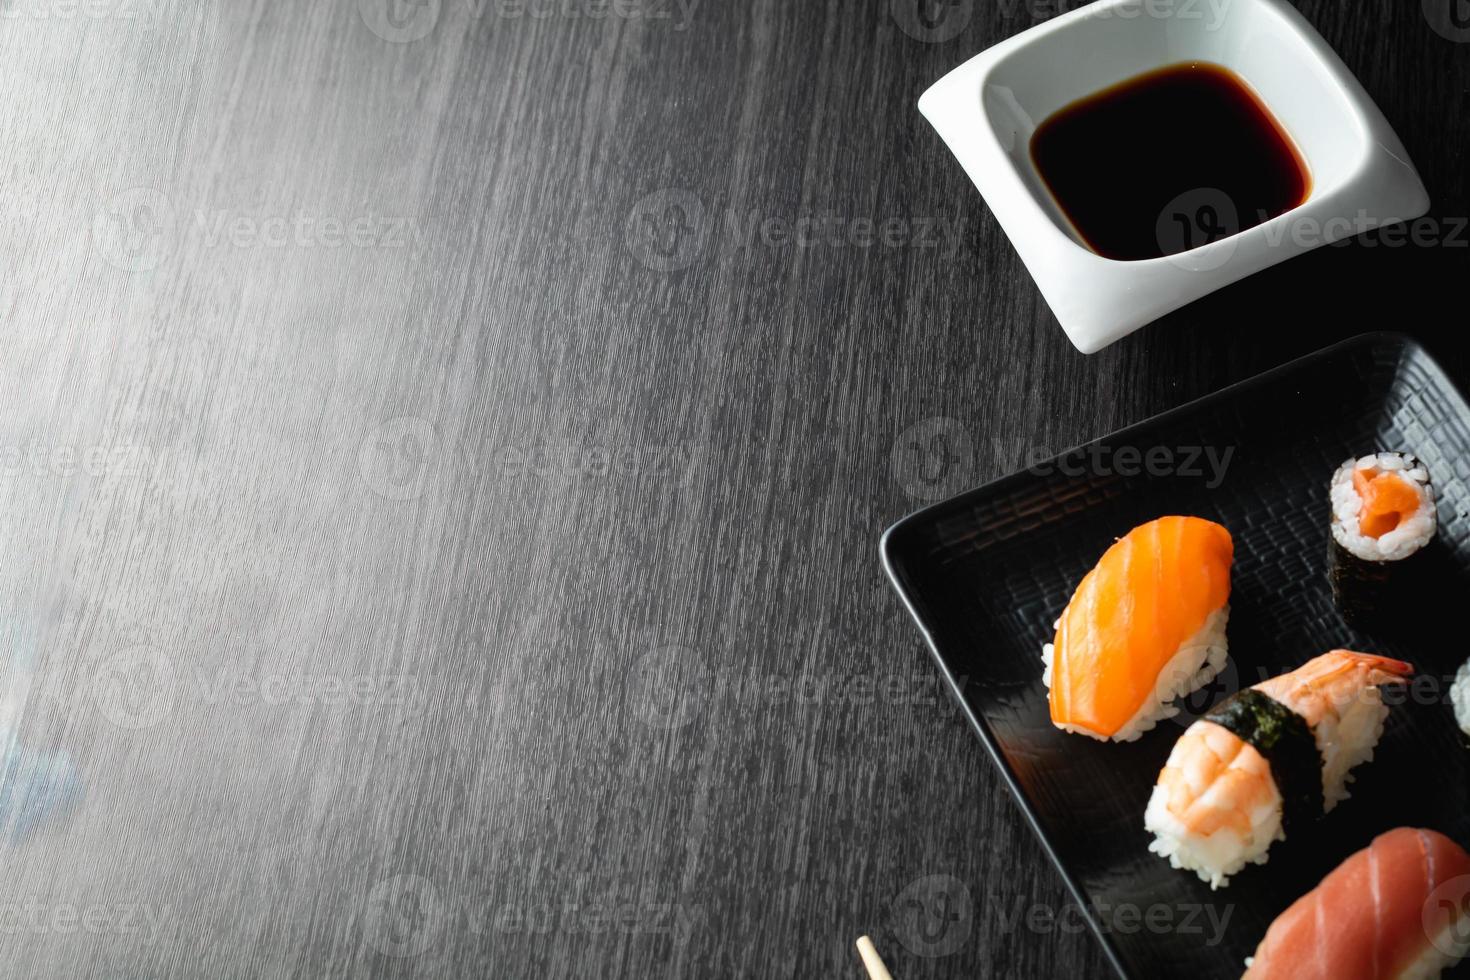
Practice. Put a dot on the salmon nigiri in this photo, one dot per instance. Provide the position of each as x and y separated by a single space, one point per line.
1267 761
1146 626
1399 908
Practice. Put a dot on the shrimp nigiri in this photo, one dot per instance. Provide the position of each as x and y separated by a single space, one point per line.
1269 759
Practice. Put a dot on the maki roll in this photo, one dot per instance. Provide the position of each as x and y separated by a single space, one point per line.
1382 517
1145 627
1396 909
1268 762
1460 697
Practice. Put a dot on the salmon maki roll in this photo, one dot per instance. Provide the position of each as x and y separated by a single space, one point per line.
1145 627
1268 762
1383 518
1396 909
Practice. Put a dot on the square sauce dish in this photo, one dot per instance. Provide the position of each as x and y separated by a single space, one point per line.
1141 154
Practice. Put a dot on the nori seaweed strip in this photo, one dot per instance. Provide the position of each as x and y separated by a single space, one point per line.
1373 594
1286 740
1376 595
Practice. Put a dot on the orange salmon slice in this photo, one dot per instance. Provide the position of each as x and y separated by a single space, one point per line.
1153 590
1388 500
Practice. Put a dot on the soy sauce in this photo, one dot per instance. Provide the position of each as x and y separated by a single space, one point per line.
1168 161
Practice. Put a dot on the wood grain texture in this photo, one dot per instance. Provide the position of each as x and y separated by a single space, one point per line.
441 499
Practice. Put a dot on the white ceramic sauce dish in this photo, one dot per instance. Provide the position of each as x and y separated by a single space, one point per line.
987 111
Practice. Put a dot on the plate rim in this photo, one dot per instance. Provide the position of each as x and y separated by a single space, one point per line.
887 546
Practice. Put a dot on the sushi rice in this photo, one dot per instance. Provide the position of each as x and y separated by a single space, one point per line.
1199 659
1218 856
1395 909
1409 536
1145 626
1460 697
1345 737
1344 743
1444 951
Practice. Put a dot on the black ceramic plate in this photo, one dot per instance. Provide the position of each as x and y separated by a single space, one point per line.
986 574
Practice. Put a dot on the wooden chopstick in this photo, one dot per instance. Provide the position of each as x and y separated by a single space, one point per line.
872 960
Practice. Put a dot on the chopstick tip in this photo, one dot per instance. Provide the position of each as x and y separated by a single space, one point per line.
871 960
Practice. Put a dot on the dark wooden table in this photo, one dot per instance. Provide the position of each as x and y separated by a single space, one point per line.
446 444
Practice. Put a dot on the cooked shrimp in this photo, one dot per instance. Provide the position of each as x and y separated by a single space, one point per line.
1214 780
1327 686
1219 801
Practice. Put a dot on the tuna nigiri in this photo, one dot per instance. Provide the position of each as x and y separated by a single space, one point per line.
1146 626
1399 908
1267 761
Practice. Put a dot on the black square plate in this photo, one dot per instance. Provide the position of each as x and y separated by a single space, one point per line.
987 573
